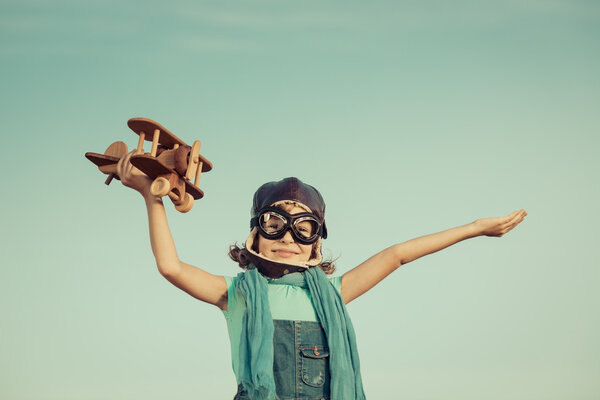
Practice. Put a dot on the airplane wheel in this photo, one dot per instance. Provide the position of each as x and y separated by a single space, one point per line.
160 186
188 203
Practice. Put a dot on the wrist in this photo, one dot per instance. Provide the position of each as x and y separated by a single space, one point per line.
149 198
475 228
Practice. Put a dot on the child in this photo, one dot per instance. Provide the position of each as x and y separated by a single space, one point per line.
290 334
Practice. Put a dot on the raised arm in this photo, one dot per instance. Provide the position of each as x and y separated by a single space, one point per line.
194 281
362 278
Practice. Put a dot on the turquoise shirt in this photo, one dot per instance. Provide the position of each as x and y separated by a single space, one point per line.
285 302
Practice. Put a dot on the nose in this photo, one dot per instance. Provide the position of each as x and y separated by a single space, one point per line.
287 238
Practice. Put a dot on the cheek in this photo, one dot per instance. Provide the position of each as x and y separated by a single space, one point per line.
307 250
259 244
263 245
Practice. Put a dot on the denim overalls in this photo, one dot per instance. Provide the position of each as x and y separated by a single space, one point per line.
301 361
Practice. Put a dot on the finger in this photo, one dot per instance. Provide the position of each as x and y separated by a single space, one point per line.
513 214
508 220
130 166
518 216
121 165
124 166
502 221
507 226
516 221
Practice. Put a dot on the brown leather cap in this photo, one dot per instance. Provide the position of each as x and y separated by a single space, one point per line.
290 189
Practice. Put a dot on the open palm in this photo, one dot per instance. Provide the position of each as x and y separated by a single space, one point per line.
498 226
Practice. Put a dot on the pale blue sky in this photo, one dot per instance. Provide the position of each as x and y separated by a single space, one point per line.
409 117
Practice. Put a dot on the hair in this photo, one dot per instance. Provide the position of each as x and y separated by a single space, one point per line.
240 254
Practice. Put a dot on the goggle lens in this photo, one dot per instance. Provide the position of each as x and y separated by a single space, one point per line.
306 228
272 223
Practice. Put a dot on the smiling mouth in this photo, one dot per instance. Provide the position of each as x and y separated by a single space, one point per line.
285 253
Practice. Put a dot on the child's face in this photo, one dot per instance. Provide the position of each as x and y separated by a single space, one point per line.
285 249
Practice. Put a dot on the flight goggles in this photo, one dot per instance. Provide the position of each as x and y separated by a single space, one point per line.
273 223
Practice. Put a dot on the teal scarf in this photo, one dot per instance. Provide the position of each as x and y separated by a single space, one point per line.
256 344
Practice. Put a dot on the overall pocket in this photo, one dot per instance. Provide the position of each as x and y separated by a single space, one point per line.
315 365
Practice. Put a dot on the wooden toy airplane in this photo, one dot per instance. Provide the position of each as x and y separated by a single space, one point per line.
171 163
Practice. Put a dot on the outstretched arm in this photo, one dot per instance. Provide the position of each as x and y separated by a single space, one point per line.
362 278
194 281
